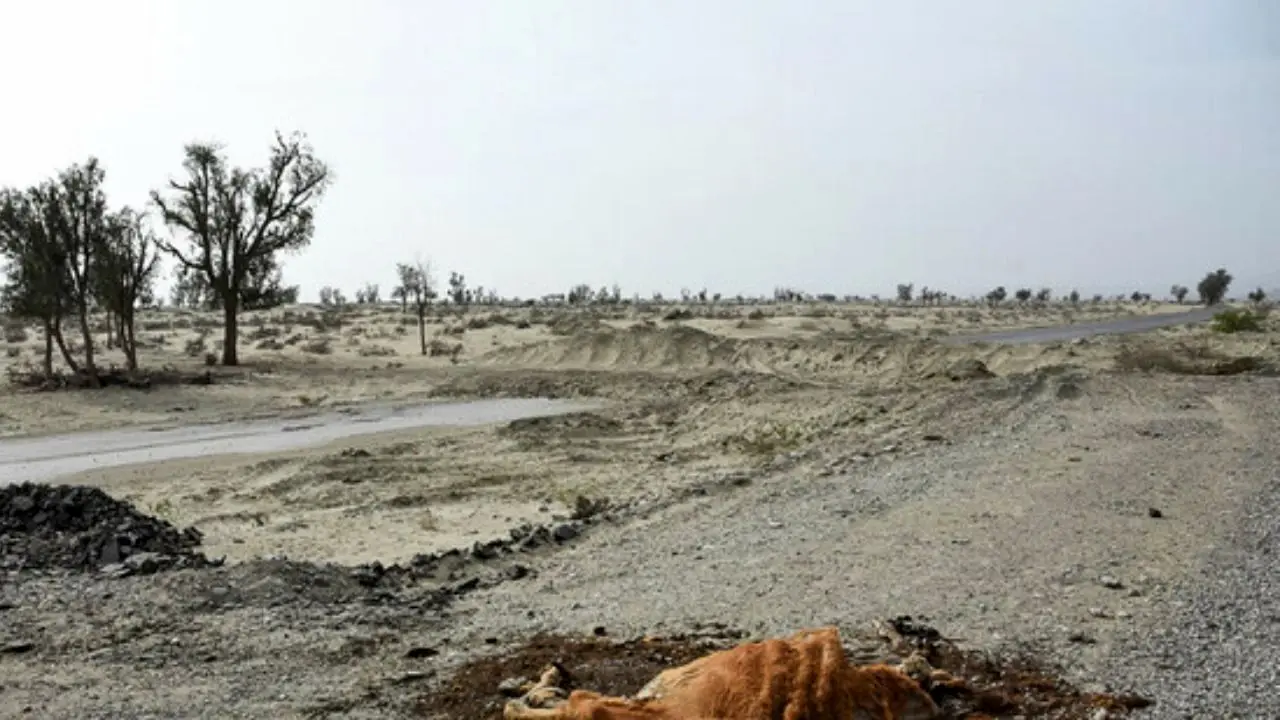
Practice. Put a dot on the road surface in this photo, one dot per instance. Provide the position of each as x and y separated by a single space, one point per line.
45 457
42 458
1138 324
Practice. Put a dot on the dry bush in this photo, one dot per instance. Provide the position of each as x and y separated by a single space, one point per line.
195 346
375 350
269 344
13 351
1183 360
322 345
15 333
265 332
438 348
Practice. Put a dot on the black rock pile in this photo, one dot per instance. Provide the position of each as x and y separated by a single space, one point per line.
77 528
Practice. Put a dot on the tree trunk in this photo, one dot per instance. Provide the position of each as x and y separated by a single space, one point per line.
48 347
90 370
62 346
111 337
128 342
422 327
229 330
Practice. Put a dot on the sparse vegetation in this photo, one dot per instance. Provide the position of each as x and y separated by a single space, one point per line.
417 285
1236 320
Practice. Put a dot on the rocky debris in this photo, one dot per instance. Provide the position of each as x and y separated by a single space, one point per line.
968 369
459 571
976 684
77 528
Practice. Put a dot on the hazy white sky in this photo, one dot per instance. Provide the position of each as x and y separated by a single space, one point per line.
838 146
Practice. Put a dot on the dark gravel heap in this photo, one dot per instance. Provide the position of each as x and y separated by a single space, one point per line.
76 528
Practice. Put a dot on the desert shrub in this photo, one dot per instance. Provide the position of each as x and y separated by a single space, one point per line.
211 359
13 351
439 347
195 346
767 441
322 345
269 344
477 323
675 314
523 325
756 314
14 333
1183 360
264 332
374 350
1234 320
455 330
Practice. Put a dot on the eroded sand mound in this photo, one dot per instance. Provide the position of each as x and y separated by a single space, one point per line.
639 346
82 528
885 356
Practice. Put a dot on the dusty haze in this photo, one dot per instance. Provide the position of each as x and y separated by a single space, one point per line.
834 146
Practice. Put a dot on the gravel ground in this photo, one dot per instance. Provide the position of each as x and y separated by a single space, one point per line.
1216 653
1118 525
1036 531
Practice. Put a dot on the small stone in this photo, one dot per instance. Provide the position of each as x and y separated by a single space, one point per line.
564 532
1154 513
18 647
511 687
1110 582
420 652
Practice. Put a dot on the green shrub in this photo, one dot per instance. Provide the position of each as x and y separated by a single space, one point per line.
1234 320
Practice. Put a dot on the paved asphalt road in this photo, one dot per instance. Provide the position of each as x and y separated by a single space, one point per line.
43 458
1143 323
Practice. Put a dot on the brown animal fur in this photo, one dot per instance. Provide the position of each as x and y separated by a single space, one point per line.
803 677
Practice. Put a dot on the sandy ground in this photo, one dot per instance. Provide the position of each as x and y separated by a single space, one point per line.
767 467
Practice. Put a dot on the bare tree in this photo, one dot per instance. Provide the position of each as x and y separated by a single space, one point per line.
125 271
76 208
234 219
418 285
